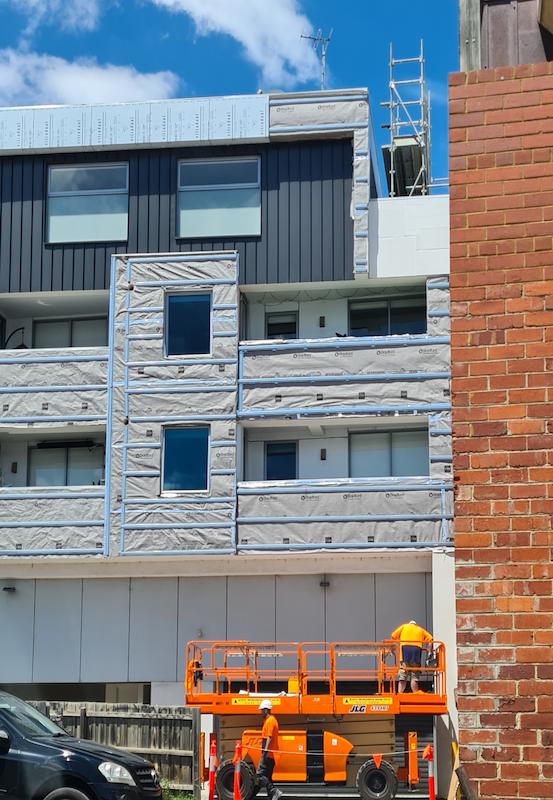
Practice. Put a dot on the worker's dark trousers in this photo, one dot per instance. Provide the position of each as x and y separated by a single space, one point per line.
265 774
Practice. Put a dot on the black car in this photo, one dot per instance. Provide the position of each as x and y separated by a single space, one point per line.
40 761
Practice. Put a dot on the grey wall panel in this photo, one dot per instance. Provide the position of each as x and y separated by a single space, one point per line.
105 630
202 613
350 608
153 629
399 598
299 598
251 608
57 641
17 611
307 233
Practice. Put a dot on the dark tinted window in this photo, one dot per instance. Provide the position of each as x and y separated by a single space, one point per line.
388 317
282 325
407 316
185 459
188 324
281 461
368 319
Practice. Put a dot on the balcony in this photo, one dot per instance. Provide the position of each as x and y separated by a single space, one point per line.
344 513
52 491
44 520
53 386
53 358
344 375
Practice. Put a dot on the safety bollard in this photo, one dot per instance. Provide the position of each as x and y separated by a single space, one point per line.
212 760
237 760
428 755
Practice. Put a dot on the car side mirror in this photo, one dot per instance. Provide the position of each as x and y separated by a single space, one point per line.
5 742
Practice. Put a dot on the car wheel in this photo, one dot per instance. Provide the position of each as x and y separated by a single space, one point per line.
224 781
66 793
376 783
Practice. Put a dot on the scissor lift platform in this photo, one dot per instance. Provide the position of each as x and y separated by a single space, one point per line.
310 678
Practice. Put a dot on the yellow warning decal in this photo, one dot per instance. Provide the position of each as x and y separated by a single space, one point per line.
358 701
251 701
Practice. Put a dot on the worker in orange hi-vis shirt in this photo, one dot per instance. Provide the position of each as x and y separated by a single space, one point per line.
269 749
412 639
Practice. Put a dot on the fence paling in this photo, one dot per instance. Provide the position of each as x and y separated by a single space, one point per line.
169 736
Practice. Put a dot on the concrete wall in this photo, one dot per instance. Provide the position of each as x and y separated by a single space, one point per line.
409 236
334 440
59 631
334 311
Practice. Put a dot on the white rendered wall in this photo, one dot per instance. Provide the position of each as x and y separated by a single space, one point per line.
335 442
443 590
409 236
335 312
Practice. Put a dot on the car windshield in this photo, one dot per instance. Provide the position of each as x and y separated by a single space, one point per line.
25 719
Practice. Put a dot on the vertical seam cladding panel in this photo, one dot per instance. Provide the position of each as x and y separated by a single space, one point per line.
283 252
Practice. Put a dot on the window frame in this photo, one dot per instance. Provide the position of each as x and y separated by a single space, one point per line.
87 193
266 444
388 300
389 429
177 492
71 320
167 295
66 449
295 314
215 187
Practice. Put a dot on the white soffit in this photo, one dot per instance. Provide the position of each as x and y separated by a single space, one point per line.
163 122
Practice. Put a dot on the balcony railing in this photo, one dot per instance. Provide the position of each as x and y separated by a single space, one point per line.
44 520
344 513
53 385
338 375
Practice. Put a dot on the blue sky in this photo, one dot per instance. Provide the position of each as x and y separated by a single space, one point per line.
54 51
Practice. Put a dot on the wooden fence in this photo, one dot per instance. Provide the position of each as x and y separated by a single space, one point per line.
169 736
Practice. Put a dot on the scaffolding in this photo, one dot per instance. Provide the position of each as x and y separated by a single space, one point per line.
407 156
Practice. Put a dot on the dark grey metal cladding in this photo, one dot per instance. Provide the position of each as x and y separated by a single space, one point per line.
307 231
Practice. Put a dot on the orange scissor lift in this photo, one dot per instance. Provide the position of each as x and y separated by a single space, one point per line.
349 688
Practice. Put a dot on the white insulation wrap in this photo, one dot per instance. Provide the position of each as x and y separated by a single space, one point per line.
437 298
348 511
387 392
377 357
36 385
152 390
44 519
309 112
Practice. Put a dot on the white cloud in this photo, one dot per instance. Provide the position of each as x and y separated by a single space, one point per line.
268 30
67 14
28 78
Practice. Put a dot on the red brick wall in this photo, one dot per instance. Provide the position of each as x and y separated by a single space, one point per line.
501 172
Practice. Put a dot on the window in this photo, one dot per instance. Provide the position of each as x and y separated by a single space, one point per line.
188 324
282 325
62 464
88 204
381 454
387 317
281 461
185 459
220 197
70 332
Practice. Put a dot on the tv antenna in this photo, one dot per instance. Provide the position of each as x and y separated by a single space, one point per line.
320 46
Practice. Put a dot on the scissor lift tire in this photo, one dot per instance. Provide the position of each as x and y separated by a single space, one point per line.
224 781
376 783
